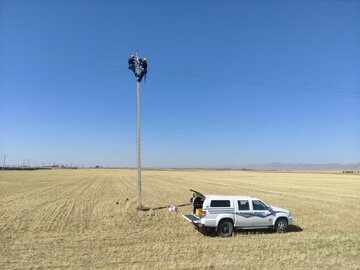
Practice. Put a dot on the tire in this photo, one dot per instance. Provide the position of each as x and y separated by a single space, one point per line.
225 228
281 225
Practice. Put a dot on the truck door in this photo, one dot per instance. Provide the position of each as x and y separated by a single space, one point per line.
243 214
262 215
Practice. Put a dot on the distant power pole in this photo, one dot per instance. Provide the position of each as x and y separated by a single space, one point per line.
4 162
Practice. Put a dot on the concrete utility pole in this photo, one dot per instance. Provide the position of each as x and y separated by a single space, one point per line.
139 67
4 162
139 205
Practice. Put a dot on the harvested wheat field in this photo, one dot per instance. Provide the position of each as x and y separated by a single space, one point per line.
86 219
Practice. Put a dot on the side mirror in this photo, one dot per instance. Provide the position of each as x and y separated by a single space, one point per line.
270 209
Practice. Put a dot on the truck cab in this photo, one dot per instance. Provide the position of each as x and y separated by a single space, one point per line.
228 213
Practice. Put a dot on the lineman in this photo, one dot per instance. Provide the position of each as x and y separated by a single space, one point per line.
132 63
143 65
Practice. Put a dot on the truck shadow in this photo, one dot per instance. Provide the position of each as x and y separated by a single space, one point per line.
213 233
295 228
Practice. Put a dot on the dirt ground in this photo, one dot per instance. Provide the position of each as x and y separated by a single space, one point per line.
87 219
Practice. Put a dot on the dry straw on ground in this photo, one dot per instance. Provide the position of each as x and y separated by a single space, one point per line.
86 219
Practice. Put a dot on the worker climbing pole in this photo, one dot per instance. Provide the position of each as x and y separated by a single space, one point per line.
139 68
143 66
132 63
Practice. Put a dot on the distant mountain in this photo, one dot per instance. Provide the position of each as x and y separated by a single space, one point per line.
304 166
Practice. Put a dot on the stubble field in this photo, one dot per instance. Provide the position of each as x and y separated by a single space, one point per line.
87 219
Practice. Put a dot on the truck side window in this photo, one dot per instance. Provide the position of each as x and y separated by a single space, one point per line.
258 205
220 203
243 205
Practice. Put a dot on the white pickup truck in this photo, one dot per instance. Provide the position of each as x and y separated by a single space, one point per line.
226 213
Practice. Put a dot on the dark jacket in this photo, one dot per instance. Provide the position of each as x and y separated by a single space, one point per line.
131 61
143 64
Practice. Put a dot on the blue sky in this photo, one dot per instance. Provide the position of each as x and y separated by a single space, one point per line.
229 83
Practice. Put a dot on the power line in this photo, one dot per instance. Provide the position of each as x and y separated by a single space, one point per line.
325 90
305 88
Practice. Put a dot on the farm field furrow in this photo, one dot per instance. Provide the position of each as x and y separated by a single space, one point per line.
87 219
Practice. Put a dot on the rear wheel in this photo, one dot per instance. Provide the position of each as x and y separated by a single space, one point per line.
225 228
281 225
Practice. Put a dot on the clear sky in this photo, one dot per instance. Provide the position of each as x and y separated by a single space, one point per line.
229 82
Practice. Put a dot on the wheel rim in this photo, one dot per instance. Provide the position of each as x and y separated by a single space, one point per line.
281 226
225 228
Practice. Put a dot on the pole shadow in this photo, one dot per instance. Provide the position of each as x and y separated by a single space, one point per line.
164 207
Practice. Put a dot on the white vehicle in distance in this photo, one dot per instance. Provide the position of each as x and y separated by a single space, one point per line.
226 213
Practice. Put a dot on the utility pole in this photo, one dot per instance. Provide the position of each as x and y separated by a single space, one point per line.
139 205
4 162
139 67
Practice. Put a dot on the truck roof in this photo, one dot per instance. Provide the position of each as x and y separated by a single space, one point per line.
229 197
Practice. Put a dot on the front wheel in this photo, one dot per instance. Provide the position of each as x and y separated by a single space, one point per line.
281 225
225 228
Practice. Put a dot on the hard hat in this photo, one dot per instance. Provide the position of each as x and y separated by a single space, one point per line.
132 56
145 58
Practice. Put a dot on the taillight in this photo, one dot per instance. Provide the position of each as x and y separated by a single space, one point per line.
203 214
